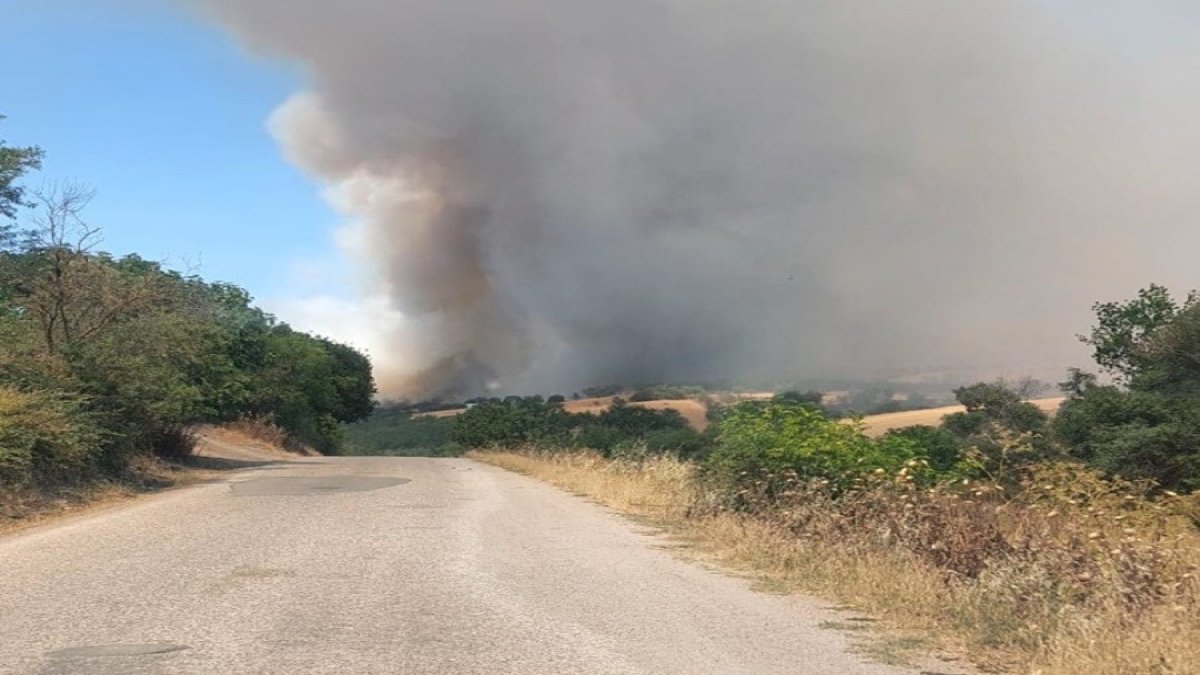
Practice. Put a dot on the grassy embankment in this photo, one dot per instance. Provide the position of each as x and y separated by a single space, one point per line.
216 451
1073 576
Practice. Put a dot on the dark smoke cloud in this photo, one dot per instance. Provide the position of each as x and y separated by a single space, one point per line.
562 192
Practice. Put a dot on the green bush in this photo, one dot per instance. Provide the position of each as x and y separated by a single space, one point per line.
45 438
635 421
512 422
682 442
764 447
941 447
600 438
395 431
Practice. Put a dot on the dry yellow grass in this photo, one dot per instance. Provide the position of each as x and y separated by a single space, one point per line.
877 425
1003 619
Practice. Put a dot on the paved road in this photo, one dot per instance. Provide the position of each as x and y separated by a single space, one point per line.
376 565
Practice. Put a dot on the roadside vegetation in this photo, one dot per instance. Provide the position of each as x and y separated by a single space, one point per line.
398 431
106 361
1068 545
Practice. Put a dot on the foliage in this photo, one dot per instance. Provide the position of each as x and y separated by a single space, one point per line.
941 447
1148 425
516 421
679 442
604 390
768 445
45 437
813 398
1133 433
636 421
880 400
393 430
1070 566
1122 329
140 352
599 437
14 162
512 421
666 392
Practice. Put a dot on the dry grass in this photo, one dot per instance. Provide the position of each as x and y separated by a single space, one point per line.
1078 577
877 425
261 434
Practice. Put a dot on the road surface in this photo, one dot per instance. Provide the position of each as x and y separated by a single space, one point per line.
385 565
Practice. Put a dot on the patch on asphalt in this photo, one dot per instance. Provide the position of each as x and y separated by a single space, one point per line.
100 651
313 485
262 572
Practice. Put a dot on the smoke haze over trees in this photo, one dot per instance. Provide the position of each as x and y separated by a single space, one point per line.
547 194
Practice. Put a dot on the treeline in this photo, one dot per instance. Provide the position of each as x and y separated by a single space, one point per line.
105 358
397 431
518 421
621 429
1143 426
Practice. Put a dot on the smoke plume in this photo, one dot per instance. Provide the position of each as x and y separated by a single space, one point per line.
555 193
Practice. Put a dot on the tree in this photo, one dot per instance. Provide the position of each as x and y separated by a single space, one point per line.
14 163
1147 426
54 276
1122 329
813 398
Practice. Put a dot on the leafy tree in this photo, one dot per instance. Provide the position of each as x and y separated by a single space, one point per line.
599 437
1123 328
636 422
1147 426
941 447
994 403
14 163
812 398
682 442
511 422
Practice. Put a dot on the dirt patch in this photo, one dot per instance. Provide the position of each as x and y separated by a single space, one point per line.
235 444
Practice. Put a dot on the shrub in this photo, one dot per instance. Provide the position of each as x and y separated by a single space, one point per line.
683 442
762 447
600 438
45 438
511 422
393 430
635 421
940 446
174 443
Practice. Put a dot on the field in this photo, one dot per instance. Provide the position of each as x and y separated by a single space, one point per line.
877 425
695 412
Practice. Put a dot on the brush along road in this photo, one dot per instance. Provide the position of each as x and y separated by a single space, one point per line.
386 565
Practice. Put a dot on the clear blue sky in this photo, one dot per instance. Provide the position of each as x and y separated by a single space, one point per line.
164 115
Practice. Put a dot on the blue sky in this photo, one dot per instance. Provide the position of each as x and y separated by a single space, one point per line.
165 116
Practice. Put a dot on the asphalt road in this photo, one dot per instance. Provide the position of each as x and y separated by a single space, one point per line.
380 565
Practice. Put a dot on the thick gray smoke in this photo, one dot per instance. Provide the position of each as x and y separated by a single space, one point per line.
562 192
